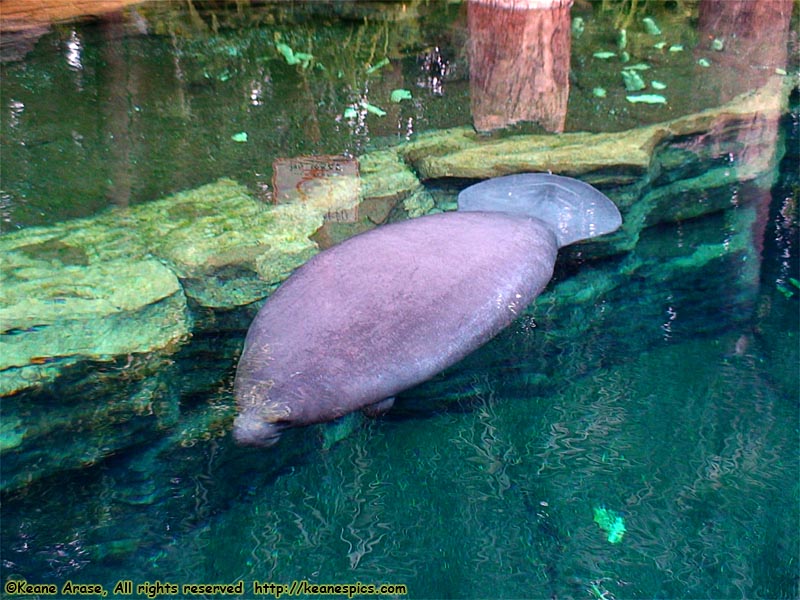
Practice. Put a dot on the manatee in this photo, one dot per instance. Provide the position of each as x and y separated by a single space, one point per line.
390 308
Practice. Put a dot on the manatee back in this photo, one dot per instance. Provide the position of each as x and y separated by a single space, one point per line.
386 310
572 209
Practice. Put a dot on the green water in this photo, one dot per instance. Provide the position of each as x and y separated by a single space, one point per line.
673 402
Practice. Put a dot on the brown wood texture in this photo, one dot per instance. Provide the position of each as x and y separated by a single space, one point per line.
519 64
23 15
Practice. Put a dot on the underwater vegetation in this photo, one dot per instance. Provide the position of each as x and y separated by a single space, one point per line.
610 522
219 248
545 464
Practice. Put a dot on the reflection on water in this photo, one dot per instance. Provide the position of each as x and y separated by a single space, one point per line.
656 378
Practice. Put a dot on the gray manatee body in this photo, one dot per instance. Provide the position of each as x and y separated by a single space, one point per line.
392 307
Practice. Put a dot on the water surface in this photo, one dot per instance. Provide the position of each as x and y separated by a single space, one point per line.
673 401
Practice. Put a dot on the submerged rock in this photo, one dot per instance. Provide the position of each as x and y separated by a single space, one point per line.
90 411
714 264
63 301
598 158
609 157
94 311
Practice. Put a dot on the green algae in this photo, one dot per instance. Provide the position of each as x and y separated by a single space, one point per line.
418 204
56 250
118 283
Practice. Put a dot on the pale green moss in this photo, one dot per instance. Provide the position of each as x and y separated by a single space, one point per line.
418 204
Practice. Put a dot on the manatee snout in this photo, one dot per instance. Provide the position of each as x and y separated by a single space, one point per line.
260 420
252 430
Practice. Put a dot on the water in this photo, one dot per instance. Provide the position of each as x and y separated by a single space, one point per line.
646 381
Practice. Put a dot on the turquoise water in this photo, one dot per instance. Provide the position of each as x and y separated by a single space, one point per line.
672 402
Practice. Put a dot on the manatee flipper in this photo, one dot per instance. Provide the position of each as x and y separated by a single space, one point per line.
378 408
341 429
572 209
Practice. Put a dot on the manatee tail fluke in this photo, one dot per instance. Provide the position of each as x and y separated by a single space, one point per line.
574 210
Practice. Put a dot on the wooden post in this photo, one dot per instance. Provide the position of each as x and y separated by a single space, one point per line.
519 62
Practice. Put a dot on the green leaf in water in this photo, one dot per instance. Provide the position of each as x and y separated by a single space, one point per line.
633 81
377 66
599 92
704 62
350 113
304 58
647 99
657 85
604 55
294 58
622 39
650 26
610 522
400 95
787 290
676 48
375 110
239 137
287 53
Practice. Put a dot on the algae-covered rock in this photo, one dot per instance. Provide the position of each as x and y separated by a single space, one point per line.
224 245
385 181
683 167
676 285
611 158
107 286
385 175
696 196
599 158
439 143
62 302
418 204
99 310
93 410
